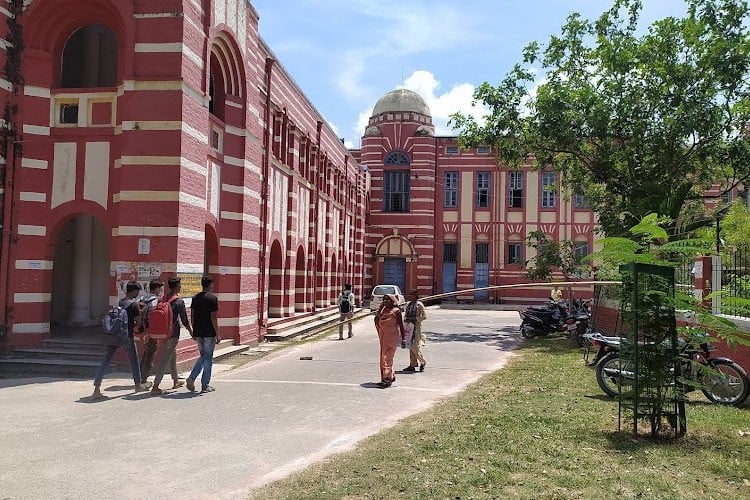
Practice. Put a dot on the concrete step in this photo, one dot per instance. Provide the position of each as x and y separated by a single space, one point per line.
83 363
71 353
312 325
74 368
93 344
276 325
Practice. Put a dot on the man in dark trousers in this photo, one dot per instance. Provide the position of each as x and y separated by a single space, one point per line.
179 314
204 308
130 304
155 291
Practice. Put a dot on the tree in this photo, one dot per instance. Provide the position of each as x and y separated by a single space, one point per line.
735 226
648 244
637 122
550 255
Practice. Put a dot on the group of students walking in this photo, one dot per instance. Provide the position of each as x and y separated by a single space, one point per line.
204 329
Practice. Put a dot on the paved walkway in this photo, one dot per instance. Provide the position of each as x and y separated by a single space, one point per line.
265 420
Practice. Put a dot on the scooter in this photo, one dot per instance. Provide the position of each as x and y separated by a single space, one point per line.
542 321
557 317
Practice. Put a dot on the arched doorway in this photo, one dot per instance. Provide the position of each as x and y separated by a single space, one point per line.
396 259
333 279
275 279
319 281
300 284
211 253
80 289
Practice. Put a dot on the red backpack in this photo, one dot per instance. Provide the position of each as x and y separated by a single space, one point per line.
161 319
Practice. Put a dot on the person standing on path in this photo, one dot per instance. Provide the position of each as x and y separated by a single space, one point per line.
204 309
346 310
414 314
169 353
155 291
130 304
390 327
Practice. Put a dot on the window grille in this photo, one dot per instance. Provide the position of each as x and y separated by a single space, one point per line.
549 190
483 189
451 190
515 189
396 191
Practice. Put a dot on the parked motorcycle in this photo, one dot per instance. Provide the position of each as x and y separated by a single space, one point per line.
556 317
720 379
581 313
542 321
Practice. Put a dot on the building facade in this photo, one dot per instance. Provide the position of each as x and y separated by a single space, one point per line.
444 219
151 138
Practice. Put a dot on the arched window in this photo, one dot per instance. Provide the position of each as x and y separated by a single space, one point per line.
89 58
397 158
217 89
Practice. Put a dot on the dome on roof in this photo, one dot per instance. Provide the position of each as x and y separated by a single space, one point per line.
401 100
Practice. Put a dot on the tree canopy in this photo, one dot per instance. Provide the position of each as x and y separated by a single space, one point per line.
639 121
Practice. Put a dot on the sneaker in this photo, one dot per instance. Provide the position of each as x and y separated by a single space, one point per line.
148 384
190 384
421 367
208 388
409 369
141 388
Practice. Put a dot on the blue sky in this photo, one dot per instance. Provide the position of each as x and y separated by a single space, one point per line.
345 54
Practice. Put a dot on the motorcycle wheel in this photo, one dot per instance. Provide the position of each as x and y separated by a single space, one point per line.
608 375
579 338
728 384
527 332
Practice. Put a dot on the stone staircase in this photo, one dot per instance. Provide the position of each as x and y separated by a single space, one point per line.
78 355
301 328
75 357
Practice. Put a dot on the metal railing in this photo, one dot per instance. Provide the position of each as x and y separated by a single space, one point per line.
734 273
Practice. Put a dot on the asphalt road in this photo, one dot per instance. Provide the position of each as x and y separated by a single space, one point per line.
265 420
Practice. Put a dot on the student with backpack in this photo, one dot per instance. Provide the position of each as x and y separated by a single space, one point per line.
149 300
150 340
168 325
130 312
346 310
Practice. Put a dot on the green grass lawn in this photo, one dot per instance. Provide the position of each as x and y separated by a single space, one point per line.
538 428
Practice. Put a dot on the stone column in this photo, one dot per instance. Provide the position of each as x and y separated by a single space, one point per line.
80 303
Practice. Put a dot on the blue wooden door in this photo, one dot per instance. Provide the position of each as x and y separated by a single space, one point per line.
449 277
482 271
394 273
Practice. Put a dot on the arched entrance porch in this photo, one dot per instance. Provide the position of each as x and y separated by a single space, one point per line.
80 277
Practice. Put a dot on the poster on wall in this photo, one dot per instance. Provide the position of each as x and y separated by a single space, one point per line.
191 284
141 272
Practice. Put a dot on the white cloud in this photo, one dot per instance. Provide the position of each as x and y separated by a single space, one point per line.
457 99
363 120
395 29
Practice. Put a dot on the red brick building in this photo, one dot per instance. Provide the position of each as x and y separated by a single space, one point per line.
443 219
148 138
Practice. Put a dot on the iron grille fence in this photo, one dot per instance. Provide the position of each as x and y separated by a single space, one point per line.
734 270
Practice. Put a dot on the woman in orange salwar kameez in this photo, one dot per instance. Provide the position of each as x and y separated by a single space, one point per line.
390 327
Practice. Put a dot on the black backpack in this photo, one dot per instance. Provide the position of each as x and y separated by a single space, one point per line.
115 325
346 305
